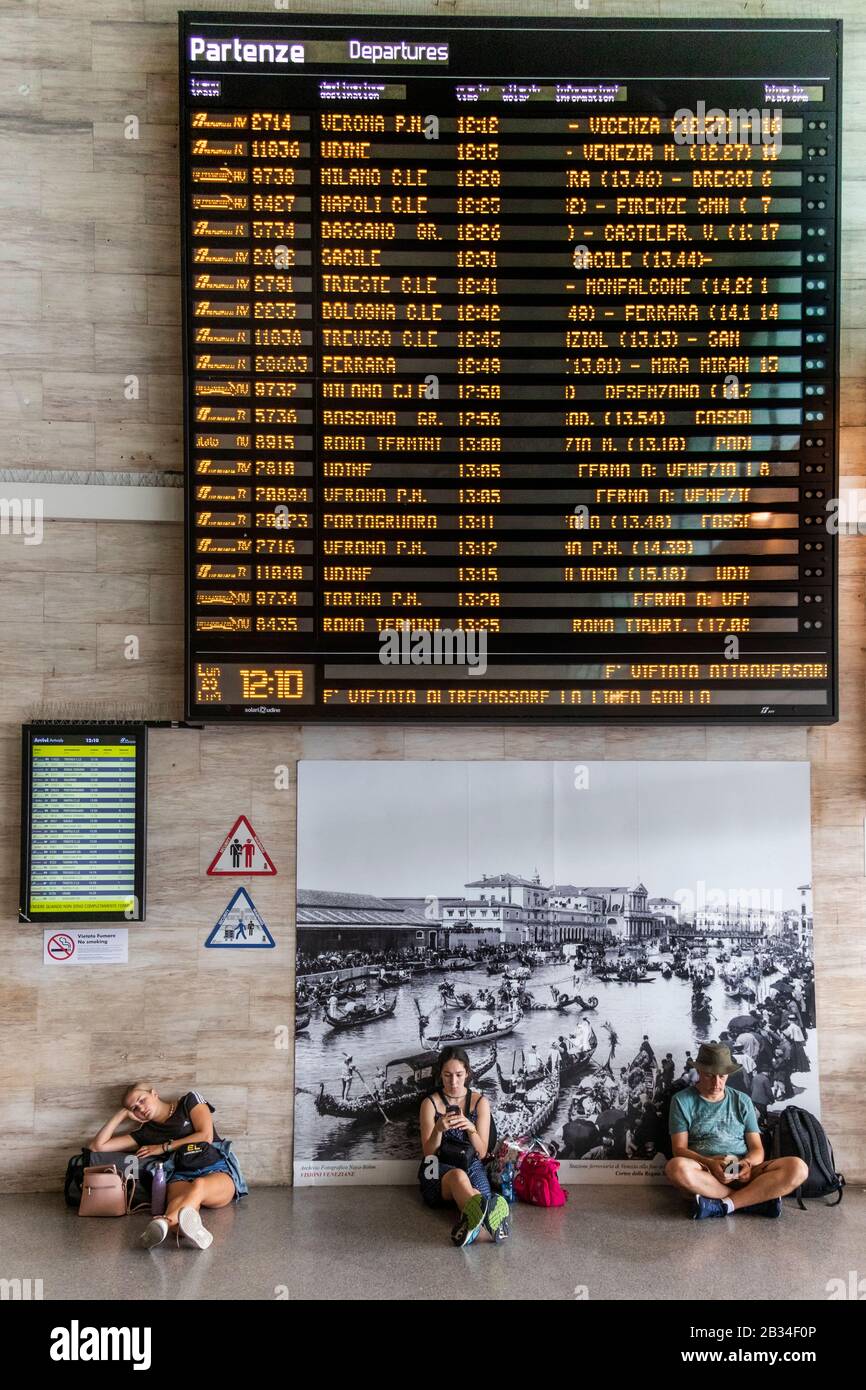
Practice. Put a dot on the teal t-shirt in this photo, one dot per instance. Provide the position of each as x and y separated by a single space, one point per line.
715 1127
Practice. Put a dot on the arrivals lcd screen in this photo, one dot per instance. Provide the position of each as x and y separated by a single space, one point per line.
83 823
511 368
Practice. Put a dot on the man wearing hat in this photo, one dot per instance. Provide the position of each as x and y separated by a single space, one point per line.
718 1158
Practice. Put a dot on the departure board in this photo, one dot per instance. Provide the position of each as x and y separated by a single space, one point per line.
511 368
82 824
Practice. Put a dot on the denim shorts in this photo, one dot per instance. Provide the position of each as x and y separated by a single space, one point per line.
219 1167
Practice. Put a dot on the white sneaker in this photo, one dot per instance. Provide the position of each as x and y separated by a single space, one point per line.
190 1223
154 1233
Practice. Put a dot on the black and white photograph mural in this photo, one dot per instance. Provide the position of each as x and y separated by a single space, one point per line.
580 928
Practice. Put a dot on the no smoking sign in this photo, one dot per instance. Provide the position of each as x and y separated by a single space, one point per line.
86 946
60 946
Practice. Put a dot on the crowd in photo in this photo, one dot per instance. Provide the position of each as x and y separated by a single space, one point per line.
622 1113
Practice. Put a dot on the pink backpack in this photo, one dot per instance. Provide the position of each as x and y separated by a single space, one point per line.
536 1181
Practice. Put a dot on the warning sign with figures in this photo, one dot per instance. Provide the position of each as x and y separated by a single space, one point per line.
240 925
242 852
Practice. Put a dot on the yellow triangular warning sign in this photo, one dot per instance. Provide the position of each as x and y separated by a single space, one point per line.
241 853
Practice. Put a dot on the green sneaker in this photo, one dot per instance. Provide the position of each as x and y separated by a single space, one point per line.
471 1221
497 1221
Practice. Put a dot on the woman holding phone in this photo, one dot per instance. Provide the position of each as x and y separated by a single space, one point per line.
201 1170
455 1132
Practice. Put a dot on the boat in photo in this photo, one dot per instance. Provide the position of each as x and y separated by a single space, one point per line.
497 1027
578 1051
538 956
521 1072
530 1004
482 998
563 1001
624 976
302 1019
326 989
391 978
407 1081
518 1115
351 989
737 985
701 1006
356 1016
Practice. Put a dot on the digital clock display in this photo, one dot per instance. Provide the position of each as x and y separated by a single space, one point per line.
511 368
252 683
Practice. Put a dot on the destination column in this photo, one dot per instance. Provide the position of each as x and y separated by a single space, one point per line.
377 335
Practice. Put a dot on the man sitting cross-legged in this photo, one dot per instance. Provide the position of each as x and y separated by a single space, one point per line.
718 1157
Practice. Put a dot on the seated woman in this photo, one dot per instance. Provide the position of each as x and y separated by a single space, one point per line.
162 1128
455 1131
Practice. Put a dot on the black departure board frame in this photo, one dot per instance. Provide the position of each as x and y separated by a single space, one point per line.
79 827
445 286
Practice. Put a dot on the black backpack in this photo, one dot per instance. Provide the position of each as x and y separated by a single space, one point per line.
794 1133
493 1141
73 1184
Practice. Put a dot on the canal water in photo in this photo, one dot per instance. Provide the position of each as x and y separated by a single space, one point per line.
657 1007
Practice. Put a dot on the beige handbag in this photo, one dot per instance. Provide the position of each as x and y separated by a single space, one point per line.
104 1192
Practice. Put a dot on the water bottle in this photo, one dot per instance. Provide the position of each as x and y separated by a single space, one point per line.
506 1182
157 1191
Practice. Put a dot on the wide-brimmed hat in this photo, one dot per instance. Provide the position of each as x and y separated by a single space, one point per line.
715 1058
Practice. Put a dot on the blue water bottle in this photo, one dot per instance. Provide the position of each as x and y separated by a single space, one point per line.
506 1182
157 1191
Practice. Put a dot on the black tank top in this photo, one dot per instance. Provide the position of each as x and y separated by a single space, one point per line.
458 1135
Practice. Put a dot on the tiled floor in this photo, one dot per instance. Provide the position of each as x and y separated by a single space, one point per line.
381 1243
